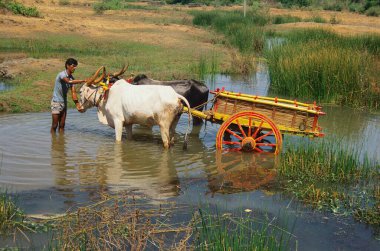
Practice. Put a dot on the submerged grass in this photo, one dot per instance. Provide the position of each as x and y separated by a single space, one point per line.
328 176
319 65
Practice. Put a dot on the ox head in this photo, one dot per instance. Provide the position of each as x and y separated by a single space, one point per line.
89 89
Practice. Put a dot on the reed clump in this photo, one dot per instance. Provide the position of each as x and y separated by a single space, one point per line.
328 176
319 65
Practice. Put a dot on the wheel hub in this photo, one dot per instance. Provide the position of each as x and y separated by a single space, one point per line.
248 144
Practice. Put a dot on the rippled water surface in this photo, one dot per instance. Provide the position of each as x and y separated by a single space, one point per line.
53 173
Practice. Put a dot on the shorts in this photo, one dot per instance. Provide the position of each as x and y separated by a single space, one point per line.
57 107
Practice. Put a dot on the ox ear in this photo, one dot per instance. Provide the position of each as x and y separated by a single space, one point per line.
93 78
122 70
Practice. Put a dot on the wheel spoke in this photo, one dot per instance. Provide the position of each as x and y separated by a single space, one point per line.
234 134
241 128
263 136
249 126
257 129
231 143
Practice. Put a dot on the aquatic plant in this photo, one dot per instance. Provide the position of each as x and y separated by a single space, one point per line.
329 176
11 217
226 232
206 65
319 65
13 220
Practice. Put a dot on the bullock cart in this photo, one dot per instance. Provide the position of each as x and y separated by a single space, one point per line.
257 124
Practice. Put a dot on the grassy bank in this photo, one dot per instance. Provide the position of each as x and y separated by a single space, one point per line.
329 177
153 60
319 65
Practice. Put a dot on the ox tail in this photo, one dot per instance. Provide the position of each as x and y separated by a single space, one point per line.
190 118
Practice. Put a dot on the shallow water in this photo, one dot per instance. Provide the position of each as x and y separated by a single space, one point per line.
5 86
53 173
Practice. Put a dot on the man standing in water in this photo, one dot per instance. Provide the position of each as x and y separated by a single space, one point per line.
63 82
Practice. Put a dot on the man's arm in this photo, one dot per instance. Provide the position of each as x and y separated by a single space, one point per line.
74 81
75 99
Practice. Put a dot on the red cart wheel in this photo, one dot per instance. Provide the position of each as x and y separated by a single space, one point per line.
251 132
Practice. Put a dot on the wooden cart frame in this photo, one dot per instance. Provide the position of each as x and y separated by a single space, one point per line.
256 124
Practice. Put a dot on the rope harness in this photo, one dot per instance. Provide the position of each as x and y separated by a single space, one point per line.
105 86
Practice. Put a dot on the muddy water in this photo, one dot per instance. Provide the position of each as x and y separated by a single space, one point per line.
53 173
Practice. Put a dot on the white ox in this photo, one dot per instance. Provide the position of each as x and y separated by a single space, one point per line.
126 104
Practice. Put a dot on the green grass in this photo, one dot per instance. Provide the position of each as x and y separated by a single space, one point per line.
319 65
244 33
329 176
283 19
215 232
104 5
19 8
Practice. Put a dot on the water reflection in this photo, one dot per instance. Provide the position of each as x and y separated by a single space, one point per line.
241 172
158 180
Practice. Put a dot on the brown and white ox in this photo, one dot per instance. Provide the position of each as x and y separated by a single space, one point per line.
124 105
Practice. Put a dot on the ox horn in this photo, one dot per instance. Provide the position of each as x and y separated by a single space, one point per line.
93 78
101 77
123 69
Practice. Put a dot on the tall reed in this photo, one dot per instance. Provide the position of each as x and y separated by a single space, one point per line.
325 67
206 66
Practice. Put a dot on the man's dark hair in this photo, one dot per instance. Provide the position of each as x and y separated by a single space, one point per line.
71 61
